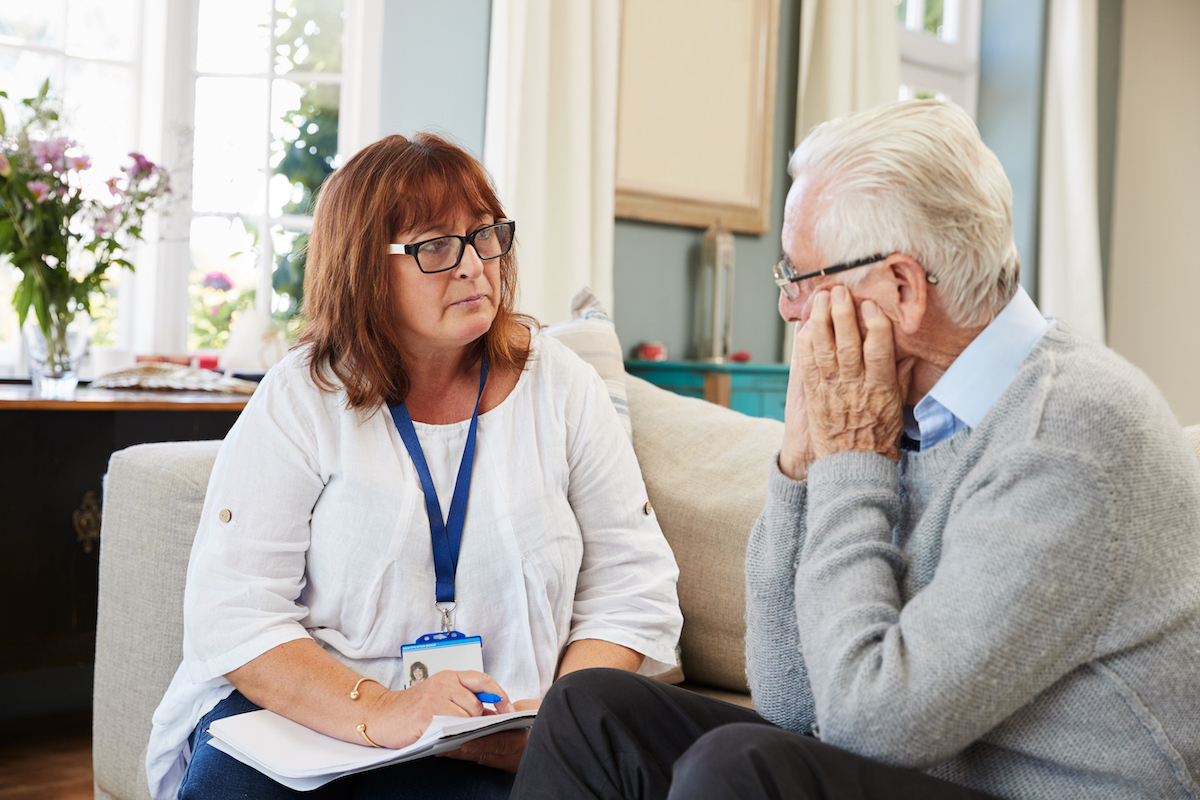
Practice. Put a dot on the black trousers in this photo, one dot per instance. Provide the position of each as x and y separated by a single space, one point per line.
604 733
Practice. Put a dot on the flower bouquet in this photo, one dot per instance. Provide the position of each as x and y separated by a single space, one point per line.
62 236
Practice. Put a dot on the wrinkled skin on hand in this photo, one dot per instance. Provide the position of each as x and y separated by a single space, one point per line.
853 389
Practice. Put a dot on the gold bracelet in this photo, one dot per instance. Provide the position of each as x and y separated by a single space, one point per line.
354 691
362 728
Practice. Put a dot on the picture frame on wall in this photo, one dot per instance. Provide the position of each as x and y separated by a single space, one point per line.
696 112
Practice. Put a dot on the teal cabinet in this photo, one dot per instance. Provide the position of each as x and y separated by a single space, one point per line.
758 390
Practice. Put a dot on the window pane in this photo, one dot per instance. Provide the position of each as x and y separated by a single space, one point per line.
233 36
304 122
230 152
308 36
222 278
933 17
901 10
22 73
37 22
98 112
287 281
103 29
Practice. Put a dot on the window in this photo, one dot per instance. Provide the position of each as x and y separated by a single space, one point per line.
90 51
939 50
249 103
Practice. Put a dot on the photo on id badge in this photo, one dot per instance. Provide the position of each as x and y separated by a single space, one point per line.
424 659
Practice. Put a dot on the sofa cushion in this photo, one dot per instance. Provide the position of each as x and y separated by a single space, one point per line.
705 469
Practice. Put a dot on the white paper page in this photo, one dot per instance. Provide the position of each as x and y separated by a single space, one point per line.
289 749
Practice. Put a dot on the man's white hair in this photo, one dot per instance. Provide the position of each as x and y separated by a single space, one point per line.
914 177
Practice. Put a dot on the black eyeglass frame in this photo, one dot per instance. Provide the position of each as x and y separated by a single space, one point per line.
782 266
469 239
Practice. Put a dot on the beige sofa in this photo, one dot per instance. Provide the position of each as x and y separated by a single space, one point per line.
705 468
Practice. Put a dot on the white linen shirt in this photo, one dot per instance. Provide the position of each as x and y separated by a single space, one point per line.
327 537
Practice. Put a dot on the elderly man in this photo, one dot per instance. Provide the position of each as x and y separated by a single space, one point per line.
977 573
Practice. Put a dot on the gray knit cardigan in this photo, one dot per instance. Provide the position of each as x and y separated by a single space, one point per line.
1016 609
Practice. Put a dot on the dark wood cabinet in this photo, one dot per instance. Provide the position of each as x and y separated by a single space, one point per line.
55 454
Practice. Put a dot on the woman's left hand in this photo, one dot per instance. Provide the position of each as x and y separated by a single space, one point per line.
500 750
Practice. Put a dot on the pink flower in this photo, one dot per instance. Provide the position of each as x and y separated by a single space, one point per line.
142 167
39 189
5 166
52 154
79 162
113 189
106 224
219 281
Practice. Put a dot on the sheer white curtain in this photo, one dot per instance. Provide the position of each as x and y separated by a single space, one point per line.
1069 278
849 61
550 143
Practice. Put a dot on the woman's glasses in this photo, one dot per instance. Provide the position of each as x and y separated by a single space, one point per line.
445 252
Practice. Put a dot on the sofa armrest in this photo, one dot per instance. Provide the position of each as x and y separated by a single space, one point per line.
153 494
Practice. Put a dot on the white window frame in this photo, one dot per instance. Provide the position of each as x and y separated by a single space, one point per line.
154 307
948 66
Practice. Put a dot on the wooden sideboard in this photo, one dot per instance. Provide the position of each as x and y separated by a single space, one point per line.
758 390
55 454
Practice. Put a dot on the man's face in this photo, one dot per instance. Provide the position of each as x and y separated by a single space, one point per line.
799 222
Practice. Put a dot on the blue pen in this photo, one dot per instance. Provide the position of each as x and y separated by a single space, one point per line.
487 697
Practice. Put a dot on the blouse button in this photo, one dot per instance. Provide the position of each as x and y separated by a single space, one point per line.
647 508
226 515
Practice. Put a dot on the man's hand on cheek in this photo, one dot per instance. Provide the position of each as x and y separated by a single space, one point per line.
853 392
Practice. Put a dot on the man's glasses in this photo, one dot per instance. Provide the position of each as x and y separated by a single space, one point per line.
786 277
445 252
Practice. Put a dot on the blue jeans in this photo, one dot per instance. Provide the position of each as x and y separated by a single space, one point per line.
212 775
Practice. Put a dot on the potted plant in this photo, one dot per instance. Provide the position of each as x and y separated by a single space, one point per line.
64 234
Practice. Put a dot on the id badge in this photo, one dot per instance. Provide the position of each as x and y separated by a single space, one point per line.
435 652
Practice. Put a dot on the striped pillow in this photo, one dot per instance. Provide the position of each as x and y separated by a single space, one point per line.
591 334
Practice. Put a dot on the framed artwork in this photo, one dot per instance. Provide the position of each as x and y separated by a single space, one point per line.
696 112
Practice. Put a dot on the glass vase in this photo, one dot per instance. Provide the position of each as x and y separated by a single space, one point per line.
55 359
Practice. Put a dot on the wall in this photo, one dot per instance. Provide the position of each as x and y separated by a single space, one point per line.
435 63
655 266
1012 61
1155 262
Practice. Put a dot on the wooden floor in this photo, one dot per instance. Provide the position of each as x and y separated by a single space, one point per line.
47 759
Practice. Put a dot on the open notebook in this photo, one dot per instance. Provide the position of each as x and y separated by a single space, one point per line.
303 759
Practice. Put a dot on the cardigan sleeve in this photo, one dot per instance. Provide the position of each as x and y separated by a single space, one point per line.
1022 591
774 666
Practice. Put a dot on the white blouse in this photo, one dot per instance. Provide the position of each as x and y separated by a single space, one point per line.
314 525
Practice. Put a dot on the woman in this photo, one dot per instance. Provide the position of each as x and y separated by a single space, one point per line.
315 558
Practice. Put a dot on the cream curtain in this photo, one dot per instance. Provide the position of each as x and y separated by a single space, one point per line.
550 143
849 61
1069 277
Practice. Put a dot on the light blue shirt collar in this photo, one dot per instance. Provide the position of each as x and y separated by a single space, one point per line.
970 387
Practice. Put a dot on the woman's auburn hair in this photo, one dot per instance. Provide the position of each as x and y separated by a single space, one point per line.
396 185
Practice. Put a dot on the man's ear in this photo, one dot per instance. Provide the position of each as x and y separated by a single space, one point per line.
912 291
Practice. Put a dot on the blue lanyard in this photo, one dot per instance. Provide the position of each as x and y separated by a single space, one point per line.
446 535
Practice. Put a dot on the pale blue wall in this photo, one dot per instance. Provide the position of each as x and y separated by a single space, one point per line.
435 64
1011 65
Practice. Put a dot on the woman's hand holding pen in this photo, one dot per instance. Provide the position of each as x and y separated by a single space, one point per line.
397 719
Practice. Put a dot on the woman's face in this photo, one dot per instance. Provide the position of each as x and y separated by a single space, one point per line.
445 310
